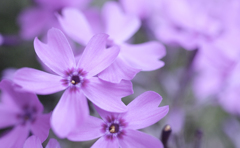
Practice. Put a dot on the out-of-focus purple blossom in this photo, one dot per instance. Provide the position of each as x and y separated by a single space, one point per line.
189 23
121 27
212 68
36 20
59 4
34 142
217 66
22 111
120 129
141 8
78 78
229 96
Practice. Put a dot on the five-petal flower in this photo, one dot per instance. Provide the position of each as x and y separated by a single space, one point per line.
120 27
22 111
76 77
119 129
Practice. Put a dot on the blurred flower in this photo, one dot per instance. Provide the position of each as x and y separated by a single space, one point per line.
121 27
188 23
217 66
213 68
229 96
34 142
23 111
120 129
77 78
141 8
36 20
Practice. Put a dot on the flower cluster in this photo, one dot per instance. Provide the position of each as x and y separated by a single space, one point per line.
90 56
101 73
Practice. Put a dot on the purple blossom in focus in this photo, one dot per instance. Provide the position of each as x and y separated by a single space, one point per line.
22 111
120 26
77 77
120 129
34 142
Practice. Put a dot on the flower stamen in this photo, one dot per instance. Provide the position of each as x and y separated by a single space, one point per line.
75 79
73 82
114 128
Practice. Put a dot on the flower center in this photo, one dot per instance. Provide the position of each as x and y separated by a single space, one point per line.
28 115
75 79
114 128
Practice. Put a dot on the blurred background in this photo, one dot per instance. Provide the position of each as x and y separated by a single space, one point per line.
200 79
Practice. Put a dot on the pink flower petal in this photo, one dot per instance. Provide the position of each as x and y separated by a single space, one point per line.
134 138
57 4
90 129
7 100
8 96
7 116
53 143
71 109
33 22
76 25
38 81
144 56
117 71
94 19
57 53
105 143
140 8
8 73
170 35
41 126
33 142
108 95
18 97
15 138
119 26
96 57
143 111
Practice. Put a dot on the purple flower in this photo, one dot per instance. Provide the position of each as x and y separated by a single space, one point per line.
120 129
188 23
214 68
34 142
141 8
218 68
121 27
76 77
35 20
22 111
